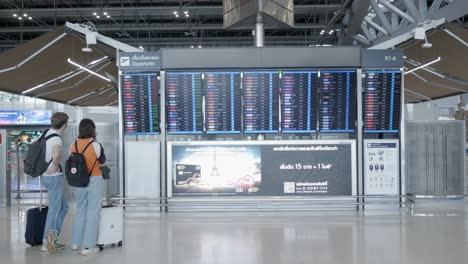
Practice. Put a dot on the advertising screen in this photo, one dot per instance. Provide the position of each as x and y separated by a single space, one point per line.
25 117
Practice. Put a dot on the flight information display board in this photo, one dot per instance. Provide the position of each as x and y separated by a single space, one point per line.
223 103
337 101
184 102
261 102
382 101
299 101
140 103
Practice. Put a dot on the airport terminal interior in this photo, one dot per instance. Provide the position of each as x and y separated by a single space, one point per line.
256 131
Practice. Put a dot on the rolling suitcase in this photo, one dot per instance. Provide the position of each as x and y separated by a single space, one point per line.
110 224
35 222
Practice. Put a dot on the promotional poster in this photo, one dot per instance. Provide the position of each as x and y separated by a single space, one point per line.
262 170
381 167
25 117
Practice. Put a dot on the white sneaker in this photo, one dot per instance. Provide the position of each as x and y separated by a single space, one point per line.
75 247
90 251
44 247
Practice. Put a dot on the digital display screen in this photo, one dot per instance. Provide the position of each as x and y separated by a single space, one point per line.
382 101
184 102
299 101
261 102
337 101
223 103
25 117
140 103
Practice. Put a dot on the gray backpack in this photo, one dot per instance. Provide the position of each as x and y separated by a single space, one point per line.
35 164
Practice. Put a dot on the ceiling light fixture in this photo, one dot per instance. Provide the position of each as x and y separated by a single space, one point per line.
30 18
98 17
175 12
422 66
186 12
94 14
20 18
176 15
25 15
15 15
105 13
88 70
199 46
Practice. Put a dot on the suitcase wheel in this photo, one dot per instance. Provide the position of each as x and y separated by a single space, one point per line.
101 247
119 244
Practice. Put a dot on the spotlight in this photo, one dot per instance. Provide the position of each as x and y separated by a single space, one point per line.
175 12
30 18
20 18
25 15
176 15
186 12
192 47
98 17
108 16
105 13
199 46
187 15
15 15
94 14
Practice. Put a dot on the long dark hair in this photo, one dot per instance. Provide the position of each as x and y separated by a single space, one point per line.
87 128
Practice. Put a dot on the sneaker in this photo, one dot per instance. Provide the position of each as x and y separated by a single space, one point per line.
59 247
90 251
51 238
75 247
44 247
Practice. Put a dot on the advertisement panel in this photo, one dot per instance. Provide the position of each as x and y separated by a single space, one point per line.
268 168
25 117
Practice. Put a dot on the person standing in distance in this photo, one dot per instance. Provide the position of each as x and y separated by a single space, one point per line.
88 199
54 182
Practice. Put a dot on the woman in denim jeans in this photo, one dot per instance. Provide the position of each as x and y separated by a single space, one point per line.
88 209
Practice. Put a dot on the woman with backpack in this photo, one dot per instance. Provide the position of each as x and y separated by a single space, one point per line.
88 198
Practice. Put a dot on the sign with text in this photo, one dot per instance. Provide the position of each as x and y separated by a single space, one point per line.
262 169
389 58
381 167
135 61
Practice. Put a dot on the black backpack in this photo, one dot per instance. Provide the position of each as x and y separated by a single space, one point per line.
35 164
76 170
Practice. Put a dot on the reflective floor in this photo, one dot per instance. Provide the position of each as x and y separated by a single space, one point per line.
429 234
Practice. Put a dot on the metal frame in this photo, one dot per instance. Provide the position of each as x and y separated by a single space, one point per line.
405 16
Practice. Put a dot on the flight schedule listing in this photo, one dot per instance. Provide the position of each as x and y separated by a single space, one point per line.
337 101
299 101
223 105
184 102
140 103
382 101
261 102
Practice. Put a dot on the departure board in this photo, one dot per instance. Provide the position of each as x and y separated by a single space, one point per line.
140 103
261 102
299 101
184 102
223 105
337 101
382 101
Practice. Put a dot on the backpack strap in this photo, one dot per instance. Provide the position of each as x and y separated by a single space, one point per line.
76 148
43 135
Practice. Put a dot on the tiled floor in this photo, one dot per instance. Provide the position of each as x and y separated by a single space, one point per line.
423 236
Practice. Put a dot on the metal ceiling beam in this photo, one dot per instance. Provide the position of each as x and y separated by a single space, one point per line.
152 10
154 27
360 9
450 12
